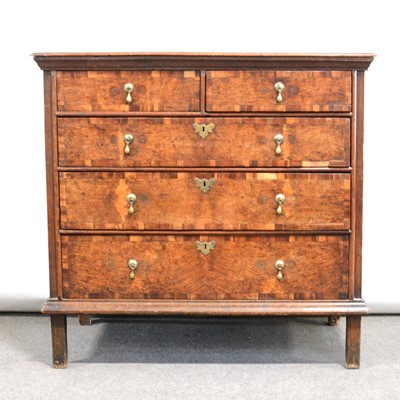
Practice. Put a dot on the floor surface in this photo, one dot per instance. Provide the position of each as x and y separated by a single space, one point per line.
266 358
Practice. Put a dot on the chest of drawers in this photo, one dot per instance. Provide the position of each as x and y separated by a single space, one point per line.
202 185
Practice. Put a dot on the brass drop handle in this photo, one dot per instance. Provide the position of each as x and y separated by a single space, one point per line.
131 200
128 89
279 86
279 199
279 265
132 265
278 139
128 139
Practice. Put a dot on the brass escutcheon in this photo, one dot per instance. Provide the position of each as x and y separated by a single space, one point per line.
128 139
132 265
203 130
131 200
204 184
279 199
279 265
278 139
205 247
279 86
128 89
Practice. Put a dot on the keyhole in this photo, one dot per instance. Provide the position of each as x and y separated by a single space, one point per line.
204 128
205 246
204 183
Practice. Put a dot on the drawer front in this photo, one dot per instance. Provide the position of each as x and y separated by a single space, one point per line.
228 201
161 91
173 142
172 267
304 91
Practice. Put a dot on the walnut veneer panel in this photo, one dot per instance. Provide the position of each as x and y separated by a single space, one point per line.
305 91
172 142
171 200
104 91
239 267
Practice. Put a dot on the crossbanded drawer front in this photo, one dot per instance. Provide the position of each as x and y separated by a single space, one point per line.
204 201
208 142
278 91
237 267
150 91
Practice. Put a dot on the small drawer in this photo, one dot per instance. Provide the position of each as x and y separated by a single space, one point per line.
204 201
152 91
278 91
243 267
204 142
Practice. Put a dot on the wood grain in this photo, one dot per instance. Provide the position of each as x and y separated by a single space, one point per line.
305 91
353 341
51 184
234 142
59 341
239 267
207 307
237 201
104 91
197 61
357 184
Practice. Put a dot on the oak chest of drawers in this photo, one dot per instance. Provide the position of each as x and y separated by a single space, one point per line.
196 184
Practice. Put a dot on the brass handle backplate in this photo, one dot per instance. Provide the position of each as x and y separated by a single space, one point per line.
278 139
279 86
204 184
132 265
128 89
280 199
128 139
203 130
279 265
205 247
131 200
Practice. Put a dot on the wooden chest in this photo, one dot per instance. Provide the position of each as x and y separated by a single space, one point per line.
201 185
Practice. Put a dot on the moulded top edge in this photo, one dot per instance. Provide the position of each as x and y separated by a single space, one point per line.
119 61
200 54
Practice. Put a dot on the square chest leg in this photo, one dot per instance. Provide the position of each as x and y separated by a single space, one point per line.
59 340
353 336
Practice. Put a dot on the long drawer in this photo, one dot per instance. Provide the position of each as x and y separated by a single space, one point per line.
204 201
259 267
208 142
278 91
152 91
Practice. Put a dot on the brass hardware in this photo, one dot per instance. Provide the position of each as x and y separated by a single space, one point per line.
131 200
128 89
279 199
279 265
203 130
128 139
279 86
204 184
278 139
132 265
205 247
